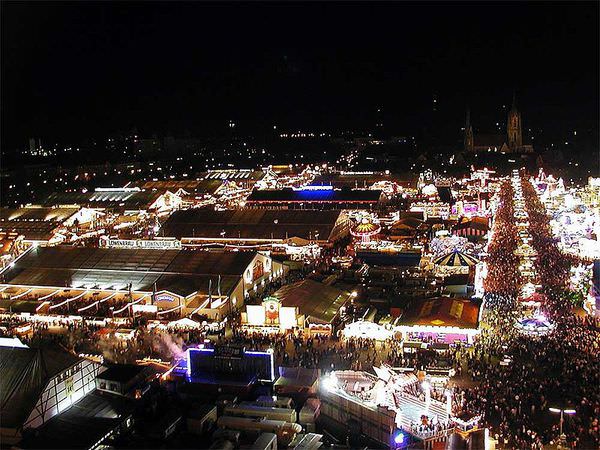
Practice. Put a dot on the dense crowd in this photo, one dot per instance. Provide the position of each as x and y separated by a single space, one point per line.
521 376
503 278
551 265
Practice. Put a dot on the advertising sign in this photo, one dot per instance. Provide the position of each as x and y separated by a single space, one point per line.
170 244
228 351
165 298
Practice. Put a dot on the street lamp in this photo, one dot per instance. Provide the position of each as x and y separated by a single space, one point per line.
562 437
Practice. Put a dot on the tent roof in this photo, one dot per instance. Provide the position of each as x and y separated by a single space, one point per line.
297 377
121 372
181 272
314 299
251 224
442 311
456 259
116 198
24 374
477 223
310 195
184 322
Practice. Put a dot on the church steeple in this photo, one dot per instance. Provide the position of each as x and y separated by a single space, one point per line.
513 127
468 137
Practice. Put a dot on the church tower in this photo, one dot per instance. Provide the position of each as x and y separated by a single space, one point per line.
468 139
513 127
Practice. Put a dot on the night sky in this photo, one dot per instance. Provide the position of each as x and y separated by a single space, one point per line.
71 70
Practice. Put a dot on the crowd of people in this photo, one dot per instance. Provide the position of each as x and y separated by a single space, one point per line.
519 376
551 265
430 427
503 277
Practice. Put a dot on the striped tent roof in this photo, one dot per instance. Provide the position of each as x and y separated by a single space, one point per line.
456 259
365 228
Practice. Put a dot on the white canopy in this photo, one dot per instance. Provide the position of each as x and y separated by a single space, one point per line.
184 323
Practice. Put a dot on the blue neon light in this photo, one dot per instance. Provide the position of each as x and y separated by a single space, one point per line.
399 438
268 353
189 364
321 194
314 188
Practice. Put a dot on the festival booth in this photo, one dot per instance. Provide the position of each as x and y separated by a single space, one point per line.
184 324
271 316
473 229
223 369
442 319
367 330
308 305
406 228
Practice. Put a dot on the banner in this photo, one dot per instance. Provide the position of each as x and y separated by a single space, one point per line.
171 244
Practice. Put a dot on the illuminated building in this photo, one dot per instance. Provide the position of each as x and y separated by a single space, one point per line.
431 209
38 384
474 228
393 407
127 200
224 368
446 318
155 282
45 225
307 305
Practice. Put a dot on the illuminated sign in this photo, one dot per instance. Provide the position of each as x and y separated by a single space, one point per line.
165 298
170 244
228 351
271 305
151 309
69 388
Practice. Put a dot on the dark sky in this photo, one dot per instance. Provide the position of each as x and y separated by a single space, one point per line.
74 69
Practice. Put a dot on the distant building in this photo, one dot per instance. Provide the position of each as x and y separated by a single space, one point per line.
512 142
43 225
315 197
256 226
148 145
128 200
